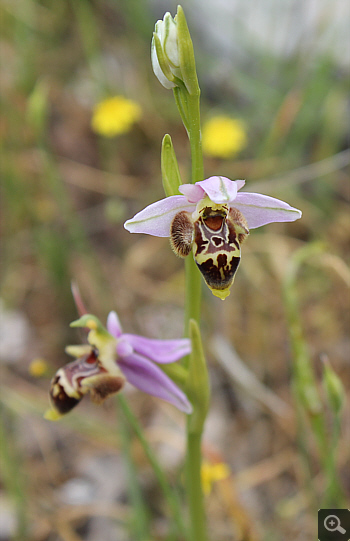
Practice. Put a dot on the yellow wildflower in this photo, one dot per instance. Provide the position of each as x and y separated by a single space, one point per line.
223 136
38 368
114 116
210 473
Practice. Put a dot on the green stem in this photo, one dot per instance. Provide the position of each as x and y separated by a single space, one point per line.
193 290
198 525
193 279
195 136
198 528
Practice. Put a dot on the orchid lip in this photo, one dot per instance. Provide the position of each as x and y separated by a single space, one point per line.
102 370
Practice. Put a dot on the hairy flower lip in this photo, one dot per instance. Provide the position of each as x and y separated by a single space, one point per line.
258 209
112 357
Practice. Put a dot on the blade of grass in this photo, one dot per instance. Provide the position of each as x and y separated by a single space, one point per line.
310 409
139 521
169 492
13 478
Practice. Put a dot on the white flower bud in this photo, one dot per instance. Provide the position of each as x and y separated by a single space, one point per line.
165 52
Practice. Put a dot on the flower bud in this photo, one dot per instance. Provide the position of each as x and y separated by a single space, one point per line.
164 51
172 53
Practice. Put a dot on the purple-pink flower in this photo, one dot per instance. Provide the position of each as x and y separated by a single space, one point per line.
212 218
111 358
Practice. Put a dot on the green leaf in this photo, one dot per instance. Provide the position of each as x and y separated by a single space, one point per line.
170 169
197 388
37 107
176 372
334 388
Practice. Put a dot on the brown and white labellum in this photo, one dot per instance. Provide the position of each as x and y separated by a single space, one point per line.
215 235
79 377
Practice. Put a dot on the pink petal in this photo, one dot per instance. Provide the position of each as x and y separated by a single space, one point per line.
261 209
124 348
149 378
159 351
113 325
157 217
193 192
221 189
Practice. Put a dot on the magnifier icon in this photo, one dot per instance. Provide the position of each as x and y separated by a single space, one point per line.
332 524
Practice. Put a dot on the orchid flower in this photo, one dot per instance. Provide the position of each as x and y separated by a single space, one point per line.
214 219
111 358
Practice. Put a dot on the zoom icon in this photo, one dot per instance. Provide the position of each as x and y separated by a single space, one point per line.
333 525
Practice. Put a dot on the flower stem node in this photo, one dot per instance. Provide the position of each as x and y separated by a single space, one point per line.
212 219
111 358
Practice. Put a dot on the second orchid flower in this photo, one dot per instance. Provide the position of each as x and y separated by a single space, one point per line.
109 359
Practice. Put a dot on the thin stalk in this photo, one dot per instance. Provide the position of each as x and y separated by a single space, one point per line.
169 492
195 136
13 479
305 459
335 489
193 286
140 520
305 387
76 233
195 497
198 528
193 291
333 495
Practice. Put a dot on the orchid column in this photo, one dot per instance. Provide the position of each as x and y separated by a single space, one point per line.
174 64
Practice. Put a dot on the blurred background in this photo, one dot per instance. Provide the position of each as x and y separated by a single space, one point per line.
281 70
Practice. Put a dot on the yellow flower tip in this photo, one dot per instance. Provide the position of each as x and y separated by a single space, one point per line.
115 116
38 368
52 415
91 324
221 293
89 321
223 137
211 473
221 471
